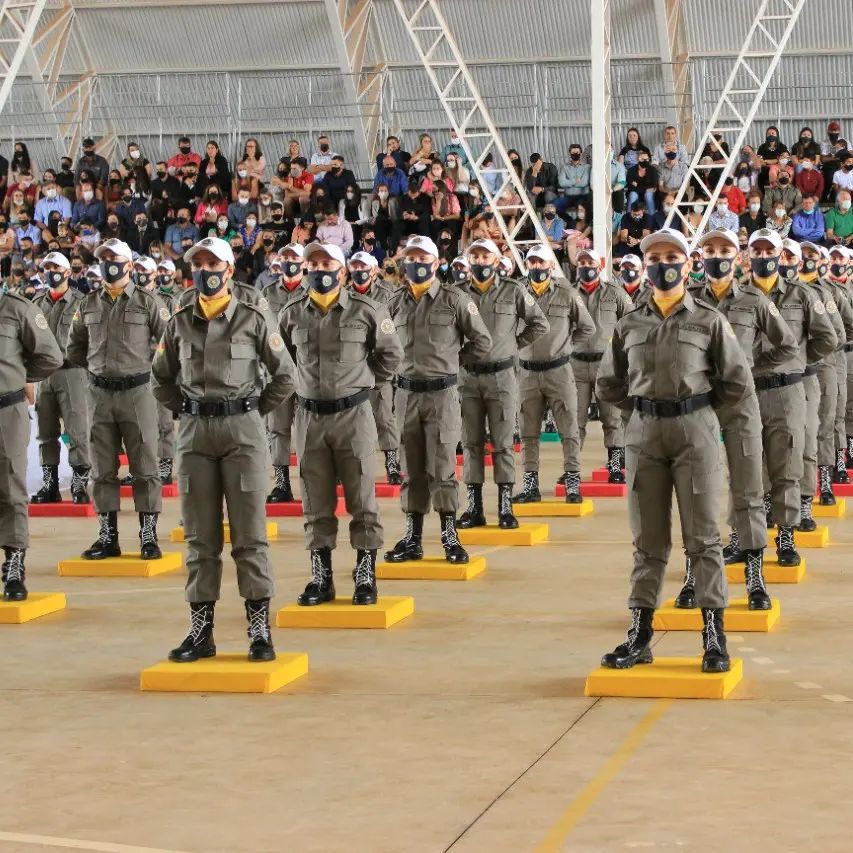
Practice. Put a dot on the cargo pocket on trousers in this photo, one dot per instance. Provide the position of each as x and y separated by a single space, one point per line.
183 484
253 481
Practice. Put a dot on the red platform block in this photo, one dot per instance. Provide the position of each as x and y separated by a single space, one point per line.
460 460
293 509
842 490
293 460
63 510
122 459
516 447
170 491
600 475
595 490
383 490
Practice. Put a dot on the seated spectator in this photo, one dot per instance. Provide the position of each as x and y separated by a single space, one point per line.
264 254
353 208
278 182
554 226
52 201
189 194
807 223
317 203
618 179
337 179
839 221
113 228
632 229
94 164
489 175
670 143
843 177
21 161
65 237
26 187
778 220
484 226
415 214
303 232
448 248
829 157
294 152
392 177
321 160
805 146
88 207
784 194
744 174
185 156
222 229
722 218
25 243
446 211
297 188
78 274
540 181
671 171
264 206
335 230
250 231
660 217
633 147
458 174
736 199
156 251
454 148
254 160
392 148
809 180
423 157
164 193
383 211
642 182
435 176
128 208
769 152
65 179
214 169
88 237
7 244
515 163
180 233
573 179
113 190
211 207
753 218
241 207
142 234
716 149
578 233
244 181
370 244
279 224
244 260
783 164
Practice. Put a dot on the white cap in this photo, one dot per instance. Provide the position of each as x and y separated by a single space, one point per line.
275 262
793 247
488 245
666 235
807 244
722 234
837 250
55 258
541 251
505 264
94 270
591 253
416 241
215 245
117 247
824 252
365 258
295 248
461 260
148 264
166 264
631 259
329 249
767 234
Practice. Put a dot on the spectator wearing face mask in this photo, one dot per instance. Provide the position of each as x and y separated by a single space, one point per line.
769 151
384 211
670 143
27 230
839 221
65 178
454 149
321 159
722 218
317 202
263 256
128 208
573 180
7 244
52 201
303 232
279 224
88 207
392 177
137 167
554 226
214 169
659 219
491 179
189 195
25 187
241 207
88 237
805 146
784 164
578 233
93 163
183 231
254 160
142 234
392 147
632 229
113 229
337 179
415 211
112 193
829 156
784 194
540 181
244 182
809 180
78 275
642 182
185 156
671 171
222 229
353 209
778 220
335 230
211 207
264 206
753 218
297 188
807 223
250 231
371 245
843 177
736 199
446 211
457 174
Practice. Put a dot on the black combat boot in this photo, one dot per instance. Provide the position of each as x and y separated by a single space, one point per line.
807 523
686 599
106 545
636 648
282 492
506 517
409 547
593 413
149 547
840 475
14 573
321 587
550 423
453 550
785 551
473 515
827 498
614 465
164 469
126 481
716 657
732 552
392 468
260 637
80 484
768 510
49 492
365 578
572 482
199 642
756 589
529 489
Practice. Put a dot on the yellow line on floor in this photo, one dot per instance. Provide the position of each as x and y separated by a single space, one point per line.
575 811
77 844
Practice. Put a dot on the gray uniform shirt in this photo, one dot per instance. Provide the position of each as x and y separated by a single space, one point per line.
277 295
845 309
607 304
28 350
379 292
569 321
59 314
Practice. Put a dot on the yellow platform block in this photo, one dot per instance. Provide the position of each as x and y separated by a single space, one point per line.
838 510
491 534
37 604
773 572
125 566
671 678
272 532
738 617
342 613
553 509
229 673
813 539
431 569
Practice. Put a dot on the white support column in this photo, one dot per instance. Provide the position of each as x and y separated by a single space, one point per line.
674 55
739 101
18 21
602 146
469 117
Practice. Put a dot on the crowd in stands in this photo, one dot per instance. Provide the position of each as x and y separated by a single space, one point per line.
160 209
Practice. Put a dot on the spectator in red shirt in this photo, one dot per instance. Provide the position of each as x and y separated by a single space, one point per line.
296 189
809 180
184 156
737 200
27 186
210 208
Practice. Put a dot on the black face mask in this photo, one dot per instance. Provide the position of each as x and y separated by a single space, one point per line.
143 278
809 265
587 274
360 277
664 276
184 149
55 279
838 270
322 281
630 276
277 217
717 268
76 270
783 179
537 276
764 267
417 273
549 217
291 269
575 155
161 174
368 241
112 271
208 283
482 272
834 137
267 242
182 220
324 148
460 276
698 266
142 224
788 272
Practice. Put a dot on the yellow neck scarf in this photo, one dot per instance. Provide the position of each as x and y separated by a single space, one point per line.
324 301
213 306
114 292
765 284
808 277
721 289
668 304
482 288
540 288
418 290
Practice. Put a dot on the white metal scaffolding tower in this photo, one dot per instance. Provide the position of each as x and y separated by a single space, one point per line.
18 22
602 144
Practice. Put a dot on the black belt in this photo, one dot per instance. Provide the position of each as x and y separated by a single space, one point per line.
486 367
424 385
811 370
779 380
671 408
332 407
540 366
848 347
12 398
589 357
219 408
119 383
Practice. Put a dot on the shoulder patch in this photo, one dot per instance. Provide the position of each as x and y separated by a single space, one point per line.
387 326
41 321
774 311
164 314
472 308
529 300
276 342
831 307
819 307
263 303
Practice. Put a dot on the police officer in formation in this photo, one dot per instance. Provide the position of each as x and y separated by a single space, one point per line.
344 345
110 335
205 370
546 378
837 279
164 286
61 398
669 363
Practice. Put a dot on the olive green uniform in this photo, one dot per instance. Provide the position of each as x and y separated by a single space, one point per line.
514 320
841 297
340 355
223 455
28 353
165 418
61 398
546 377
655 365
434 331
112 338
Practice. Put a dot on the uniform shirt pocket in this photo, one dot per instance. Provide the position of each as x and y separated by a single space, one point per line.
691 355
353 343
185 356
441 326
242 365
9 344
92 318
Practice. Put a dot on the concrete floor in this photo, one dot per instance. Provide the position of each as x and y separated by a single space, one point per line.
463 728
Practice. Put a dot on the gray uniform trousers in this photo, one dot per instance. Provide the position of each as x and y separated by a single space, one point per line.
611 416
681 453
783 433
225 458
61 403
827 374
848 413
280 423
432 426
841 372
341 445
165 433
555 388
492 396
14 438
741 427
382 403
808 479
126 418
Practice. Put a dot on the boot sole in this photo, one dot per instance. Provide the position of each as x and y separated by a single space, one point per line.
396 558
324 600
210 654
716 668
86 556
